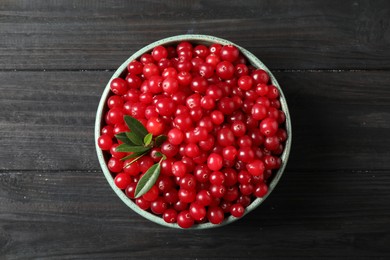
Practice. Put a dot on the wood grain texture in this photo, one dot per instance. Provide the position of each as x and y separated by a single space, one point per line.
74 214
340 120
284 34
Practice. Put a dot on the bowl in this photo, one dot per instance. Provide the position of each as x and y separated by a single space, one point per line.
195 39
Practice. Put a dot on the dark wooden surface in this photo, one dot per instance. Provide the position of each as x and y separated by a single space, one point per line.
332 59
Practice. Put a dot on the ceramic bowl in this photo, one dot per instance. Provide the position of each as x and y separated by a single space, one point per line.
195 39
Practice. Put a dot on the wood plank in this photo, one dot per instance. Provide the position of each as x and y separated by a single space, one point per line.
285 35
74 214
340 120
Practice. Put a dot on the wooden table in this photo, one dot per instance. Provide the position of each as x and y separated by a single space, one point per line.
332 59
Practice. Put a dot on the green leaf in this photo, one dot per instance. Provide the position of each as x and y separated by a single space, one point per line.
147 180
160 140
135 139
148 139
122 137
158 154
136 126
131 148
133 155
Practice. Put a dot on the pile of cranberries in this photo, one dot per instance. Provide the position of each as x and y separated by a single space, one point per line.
224 125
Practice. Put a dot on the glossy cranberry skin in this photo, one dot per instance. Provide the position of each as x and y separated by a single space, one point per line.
226 106
115 164
268 126
187 196
105 142
246 154
158 206
155 126
142 203
197 211
238 128
225 137
118 86
214 162
256 167
229 53
224 70
215 215
260 190
152 194
203 197
159 52
122 180
184 219
170 216
135 67
130 190
237 210
260 76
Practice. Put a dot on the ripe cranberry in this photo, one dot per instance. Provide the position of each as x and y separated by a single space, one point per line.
256 168
237 210
245 82
187 196
135 67
118 86
122 180
155 126
158 206
159 53
224 70
260 190
259 111
203 197
170 85
170 216
217 190
179 169
246 154
217 178
225 137
184 219
260 76
238 128
229 153
215 215
165 183
150 70
197 211
142 203
130 190
115 164
268 126
105 142
214 162
229 53
171 196
152 194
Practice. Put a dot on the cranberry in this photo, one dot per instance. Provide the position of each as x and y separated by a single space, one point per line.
215 215
184 219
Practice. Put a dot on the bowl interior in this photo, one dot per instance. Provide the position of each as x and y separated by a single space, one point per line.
195 39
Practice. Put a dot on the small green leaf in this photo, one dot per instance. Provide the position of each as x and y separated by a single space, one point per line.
133 155
148 139
147 180
158 154
160 140
131 148
135 139
136 126
122 137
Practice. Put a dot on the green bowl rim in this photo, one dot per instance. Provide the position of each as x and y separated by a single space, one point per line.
198 39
